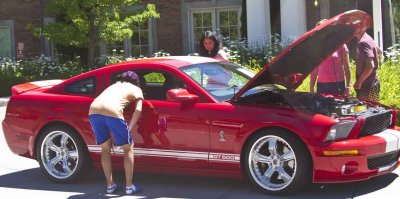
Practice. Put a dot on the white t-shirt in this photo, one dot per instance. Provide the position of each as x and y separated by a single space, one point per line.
112 101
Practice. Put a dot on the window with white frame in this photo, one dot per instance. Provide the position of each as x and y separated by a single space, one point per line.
202 21
140 40
7 48
229 24
136 46
223 21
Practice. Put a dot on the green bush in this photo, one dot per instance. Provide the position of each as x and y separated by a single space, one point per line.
253 54
34 69
43 68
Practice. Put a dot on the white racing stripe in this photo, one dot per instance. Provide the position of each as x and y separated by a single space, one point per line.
391 138
395 133
190 155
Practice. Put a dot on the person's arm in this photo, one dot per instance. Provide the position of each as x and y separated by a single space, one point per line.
369 67
379 51
136 114
347 73
313 79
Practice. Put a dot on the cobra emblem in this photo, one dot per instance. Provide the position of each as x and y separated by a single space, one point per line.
221 136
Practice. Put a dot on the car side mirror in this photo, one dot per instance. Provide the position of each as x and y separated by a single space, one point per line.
181 95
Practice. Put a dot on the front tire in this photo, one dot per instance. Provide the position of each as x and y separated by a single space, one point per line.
277 162
61 154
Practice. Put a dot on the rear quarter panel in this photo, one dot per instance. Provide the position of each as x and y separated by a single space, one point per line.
27 114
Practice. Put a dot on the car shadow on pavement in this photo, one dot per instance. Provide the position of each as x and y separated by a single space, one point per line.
177 186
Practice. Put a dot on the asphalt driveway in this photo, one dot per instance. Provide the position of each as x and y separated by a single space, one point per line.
21 177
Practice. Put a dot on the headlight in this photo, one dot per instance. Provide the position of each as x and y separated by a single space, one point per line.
340 130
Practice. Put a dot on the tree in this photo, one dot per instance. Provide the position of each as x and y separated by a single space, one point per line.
87 23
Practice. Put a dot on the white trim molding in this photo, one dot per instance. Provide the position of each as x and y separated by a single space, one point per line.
377 17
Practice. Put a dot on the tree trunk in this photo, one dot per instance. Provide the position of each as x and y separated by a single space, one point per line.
92 43
90 56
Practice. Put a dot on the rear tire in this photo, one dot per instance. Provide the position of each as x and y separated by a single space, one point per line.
277 162
61 154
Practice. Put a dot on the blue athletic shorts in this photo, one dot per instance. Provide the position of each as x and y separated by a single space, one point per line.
102 126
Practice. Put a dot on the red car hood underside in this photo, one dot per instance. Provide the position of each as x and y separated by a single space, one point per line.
297 61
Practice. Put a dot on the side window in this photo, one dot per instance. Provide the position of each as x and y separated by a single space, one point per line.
154 77
85 86
154 84
158 83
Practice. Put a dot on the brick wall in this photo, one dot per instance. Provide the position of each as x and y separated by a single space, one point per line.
23 12
169 26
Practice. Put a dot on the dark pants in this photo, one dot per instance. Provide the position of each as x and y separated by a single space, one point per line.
369 93
336 88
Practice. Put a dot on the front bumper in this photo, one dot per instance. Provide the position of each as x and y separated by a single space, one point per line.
377 155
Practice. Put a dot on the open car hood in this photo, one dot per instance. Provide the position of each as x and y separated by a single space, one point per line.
296 62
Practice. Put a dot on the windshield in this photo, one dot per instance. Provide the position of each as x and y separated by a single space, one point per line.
221 80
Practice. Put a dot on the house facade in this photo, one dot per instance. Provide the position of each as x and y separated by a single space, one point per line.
182 22
291 18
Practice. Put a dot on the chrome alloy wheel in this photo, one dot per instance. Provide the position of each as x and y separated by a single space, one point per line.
59 154
272 163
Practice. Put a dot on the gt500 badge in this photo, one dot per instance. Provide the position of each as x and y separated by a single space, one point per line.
224 157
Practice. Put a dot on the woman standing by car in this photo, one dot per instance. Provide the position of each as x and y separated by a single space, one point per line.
210 46
333 73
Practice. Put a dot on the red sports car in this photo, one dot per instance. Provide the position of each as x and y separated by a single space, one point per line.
206 117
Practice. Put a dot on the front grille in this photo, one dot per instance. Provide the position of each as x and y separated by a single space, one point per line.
386 159
376 123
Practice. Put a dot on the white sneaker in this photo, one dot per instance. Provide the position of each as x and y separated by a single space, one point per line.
112 188
132 190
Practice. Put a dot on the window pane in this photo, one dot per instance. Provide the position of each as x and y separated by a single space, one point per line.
136 51
197 33
5 41
233 18
197 19
144 50
140 40
207 17
234 33
135 26
224 18
117 47
225 31
154 77
135 38
143 25
144 37
85 86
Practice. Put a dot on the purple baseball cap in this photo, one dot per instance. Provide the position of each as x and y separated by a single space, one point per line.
130 76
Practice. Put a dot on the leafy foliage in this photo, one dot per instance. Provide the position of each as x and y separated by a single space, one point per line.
34 69
77 17
389 76
252 54
86 23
